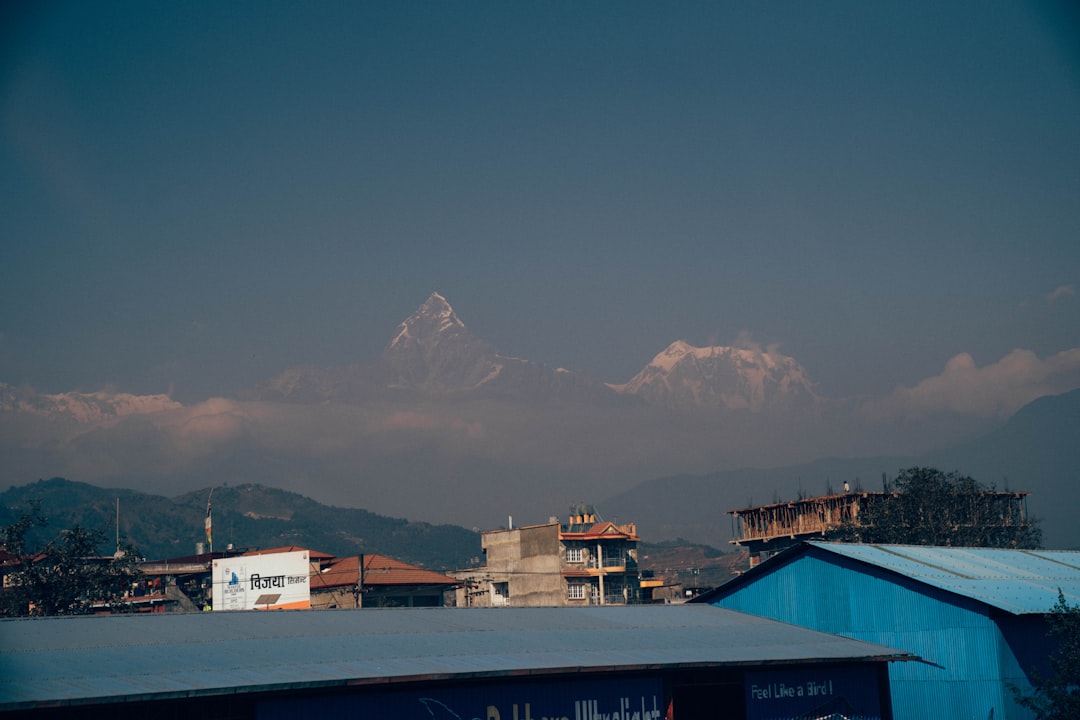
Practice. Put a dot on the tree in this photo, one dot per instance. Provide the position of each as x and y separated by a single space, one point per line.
926 506
67 576
1058 697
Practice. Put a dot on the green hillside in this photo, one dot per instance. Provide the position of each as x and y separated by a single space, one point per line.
246 516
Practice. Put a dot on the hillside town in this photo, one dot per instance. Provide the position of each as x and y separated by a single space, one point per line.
890 606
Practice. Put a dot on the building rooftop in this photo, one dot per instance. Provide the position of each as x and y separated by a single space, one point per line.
1021 582
379 570
313 554
1018 581
603 529
83 660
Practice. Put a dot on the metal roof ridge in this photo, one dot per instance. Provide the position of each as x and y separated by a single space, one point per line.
1044 555
890 551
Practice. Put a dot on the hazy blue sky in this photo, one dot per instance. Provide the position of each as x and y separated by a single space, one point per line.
196 196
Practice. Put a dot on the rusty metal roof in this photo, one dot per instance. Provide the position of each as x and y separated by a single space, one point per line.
84 660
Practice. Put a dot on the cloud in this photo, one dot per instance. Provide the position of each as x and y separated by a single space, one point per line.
208 423
995 390
419 420
745 341
1060 292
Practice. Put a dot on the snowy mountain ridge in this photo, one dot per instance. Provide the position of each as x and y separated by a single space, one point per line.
685 376
83 407
433 354
434 316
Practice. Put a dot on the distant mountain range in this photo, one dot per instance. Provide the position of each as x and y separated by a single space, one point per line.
433 354
444 427
82 407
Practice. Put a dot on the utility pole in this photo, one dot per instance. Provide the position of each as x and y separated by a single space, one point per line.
209 522
117 528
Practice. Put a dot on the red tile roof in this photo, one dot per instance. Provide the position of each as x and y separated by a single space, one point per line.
606 529
379 570
339 572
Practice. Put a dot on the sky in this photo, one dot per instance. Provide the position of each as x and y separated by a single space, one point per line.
196 196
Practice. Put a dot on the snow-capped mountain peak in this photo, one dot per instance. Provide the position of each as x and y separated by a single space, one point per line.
433 318
684 376
671 355
433 352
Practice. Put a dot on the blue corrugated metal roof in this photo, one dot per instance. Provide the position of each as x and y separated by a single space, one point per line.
1021 582
93 659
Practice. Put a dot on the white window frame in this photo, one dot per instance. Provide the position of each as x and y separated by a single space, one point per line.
576 591
575 554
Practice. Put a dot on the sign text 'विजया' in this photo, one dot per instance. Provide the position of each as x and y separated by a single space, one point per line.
276 581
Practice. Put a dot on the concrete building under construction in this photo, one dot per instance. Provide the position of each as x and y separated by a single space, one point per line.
767 529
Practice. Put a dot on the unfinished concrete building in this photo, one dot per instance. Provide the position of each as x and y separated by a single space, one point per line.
582 562
767 529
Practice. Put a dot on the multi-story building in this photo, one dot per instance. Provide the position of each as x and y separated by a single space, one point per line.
767 529
581 562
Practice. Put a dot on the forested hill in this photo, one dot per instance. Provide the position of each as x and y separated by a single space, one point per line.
247 516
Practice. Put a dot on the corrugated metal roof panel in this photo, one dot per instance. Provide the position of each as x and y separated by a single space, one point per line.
1017 581
75 660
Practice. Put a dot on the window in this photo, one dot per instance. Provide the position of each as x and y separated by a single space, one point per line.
575 591
575 554
500 593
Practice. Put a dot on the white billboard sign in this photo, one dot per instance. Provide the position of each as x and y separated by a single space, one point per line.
276 581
